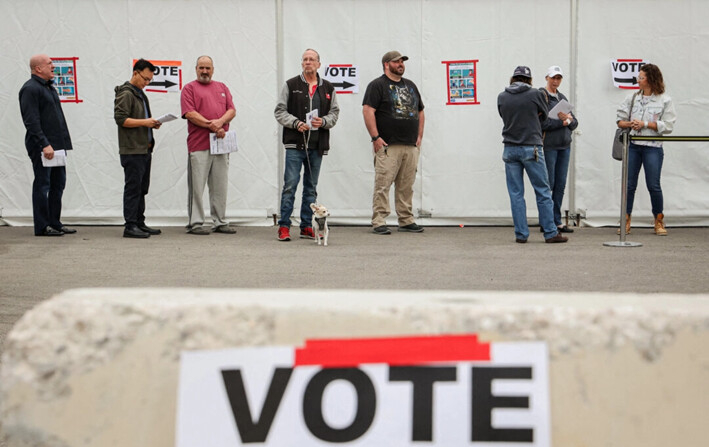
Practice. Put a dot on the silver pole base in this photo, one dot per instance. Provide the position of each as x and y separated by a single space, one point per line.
622 244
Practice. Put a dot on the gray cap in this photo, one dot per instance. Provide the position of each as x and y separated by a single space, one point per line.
392 56
522 71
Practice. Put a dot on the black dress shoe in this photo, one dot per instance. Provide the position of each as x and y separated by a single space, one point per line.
565 229
149 230
65 230
49 231
135 232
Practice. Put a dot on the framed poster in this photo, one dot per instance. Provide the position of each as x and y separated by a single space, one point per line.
65 80
461 82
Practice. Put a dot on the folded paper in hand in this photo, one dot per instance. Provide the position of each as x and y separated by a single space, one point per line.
223 145
59 159
166 118
309 118
562 106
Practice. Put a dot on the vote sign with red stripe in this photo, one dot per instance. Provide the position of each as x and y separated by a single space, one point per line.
450 390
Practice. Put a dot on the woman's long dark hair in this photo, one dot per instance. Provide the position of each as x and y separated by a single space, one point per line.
654 78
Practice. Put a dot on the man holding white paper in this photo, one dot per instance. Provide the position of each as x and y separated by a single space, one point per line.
208 107
47 134
307 109
136 141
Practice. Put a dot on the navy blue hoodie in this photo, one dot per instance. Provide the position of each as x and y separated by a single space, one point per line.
523 109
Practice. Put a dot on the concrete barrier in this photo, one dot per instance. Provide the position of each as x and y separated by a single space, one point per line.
99 367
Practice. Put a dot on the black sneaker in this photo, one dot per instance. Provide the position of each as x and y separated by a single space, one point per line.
382 229
411 228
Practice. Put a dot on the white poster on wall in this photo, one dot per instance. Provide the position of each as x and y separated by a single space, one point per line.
625 72
344 77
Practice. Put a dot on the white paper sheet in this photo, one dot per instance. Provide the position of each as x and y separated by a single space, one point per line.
59 159
167 118
309 118
562 106
224 145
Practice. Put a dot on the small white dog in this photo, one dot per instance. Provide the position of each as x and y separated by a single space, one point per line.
320 228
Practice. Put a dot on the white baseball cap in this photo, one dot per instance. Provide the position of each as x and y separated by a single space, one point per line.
554 70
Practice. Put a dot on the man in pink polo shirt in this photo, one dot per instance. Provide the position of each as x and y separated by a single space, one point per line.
208 108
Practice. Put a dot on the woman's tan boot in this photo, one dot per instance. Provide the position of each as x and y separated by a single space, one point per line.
660 225
627 224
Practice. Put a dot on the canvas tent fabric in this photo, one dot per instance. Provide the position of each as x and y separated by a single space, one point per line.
257 44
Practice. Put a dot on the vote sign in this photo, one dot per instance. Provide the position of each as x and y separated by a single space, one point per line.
345 77
625 72
434 391
167 76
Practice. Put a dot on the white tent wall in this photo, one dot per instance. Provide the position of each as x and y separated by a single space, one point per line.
461 176
106 36
673 35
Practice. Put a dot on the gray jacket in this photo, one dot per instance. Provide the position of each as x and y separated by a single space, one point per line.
523 109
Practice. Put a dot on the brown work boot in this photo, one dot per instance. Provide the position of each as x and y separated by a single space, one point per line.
627 224
660 225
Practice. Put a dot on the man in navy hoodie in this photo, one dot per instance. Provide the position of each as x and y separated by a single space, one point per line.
523 109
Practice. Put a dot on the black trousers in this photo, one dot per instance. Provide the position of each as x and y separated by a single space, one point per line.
136 169
47 192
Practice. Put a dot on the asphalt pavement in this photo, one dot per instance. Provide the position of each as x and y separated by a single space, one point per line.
447 258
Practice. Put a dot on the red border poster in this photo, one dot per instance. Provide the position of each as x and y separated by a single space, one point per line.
461 82
65 80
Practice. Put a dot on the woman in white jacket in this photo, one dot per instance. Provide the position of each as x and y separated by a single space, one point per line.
653 114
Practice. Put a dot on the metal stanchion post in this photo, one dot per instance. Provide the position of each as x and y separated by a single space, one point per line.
623 201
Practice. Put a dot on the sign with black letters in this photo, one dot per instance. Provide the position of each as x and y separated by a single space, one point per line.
344 77
625 72
449 390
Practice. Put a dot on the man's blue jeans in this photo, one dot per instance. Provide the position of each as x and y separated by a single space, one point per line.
517 160
651 159
557 162
295 160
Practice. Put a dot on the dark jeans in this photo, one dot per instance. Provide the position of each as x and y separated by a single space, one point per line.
47 191
650 158
136 169
558 168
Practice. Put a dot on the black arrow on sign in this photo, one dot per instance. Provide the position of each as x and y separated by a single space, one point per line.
632 80
344 85
166 84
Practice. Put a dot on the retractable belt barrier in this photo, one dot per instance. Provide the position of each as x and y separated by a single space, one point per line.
624 187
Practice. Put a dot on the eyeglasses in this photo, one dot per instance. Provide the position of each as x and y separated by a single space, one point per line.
148 80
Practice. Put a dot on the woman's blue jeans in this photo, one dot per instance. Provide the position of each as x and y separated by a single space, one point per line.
558 168
650 158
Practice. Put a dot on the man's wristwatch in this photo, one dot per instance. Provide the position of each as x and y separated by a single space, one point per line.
375 138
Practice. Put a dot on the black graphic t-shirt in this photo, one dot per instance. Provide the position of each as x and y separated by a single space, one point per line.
397 107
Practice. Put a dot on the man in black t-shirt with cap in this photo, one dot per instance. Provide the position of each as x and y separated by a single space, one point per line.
393 114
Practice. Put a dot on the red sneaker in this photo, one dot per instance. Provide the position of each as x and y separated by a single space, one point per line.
283 233
307 233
